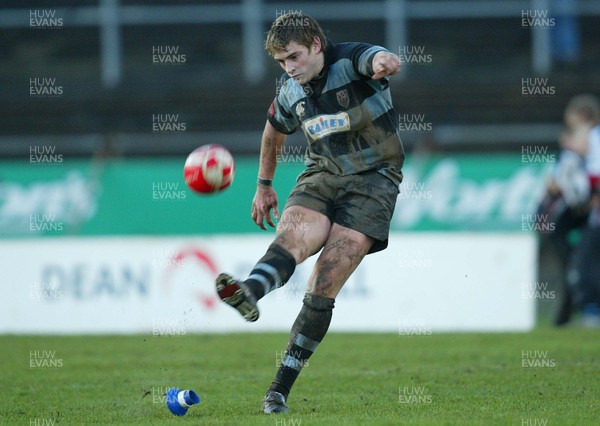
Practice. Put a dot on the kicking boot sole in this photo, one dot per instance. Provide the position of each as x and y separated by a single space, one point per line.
235 295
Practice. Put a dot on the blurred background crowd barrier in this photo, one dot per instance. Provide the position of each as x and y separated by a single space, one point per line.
102 100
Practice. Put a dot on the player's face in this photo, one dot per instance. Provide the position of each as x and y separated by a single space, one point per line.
299 62
574 121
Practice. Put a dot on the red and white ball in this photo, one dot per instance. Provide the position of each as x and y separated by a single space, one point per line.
209 169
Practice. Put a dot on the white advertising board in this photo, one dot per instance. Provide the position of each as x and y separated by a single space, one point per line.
423 283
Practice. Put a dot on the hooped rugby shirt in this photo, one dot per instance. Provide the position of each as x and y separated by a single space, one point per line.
347 118
592 166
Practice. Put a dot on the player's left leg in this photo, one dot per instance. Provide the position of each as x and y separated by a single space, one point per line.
362 212
344 250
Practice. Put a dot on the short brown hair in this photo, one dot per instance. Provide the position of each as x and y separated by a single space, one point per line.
585 105
293 26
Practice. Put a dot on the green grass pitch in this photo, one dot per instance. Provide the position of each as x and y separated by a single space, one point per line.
546 377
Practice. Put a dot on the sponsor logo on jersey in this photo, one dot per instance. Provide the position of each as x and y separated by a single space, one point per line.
324 125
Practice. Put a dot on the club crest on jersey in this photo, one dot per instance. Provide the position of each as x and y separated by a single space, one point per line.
343 98
324 125
300 109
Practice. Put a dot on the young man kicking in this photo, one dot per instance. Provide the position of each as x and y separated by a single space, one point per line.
339 95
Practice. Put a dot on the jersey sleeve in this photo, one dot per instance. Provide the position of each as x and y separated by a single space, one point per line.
570 176
362 55
283 120
593 158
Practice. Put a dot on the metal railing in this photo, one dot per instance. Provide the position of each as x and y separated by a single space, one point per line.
109 16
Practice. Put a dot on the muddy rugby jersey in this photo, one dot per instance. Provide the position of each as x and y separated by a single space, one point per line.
348 119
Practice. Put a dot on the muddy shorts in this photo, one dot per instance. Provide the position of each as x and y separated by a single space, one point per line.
364 202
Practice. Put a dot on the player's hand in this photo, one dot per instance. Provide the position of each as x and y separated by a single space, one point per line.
265 199
384 64
553 188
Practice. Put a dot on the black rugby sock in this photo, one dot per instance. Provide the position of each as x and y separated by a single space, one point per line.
308 331
272 271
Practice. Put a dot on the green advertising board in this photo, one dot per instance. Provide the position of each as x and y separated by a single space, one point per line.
149 196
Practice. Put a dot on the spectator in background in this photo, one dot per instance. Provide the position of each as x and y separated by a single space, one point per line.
584 272
566 204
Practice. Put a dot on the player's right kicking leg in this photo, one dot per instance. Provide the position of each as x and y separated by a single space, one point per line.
237 295
301 233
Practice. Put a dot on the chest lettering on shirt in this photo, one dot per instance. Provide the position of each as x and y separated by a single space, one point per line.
326 124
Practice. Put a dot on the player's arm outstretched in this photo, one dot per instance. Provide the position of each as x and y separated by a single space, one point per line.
265 198
384 63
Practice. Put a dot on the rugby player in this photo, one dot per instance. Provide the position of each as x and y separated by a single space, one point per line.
339 95
583 113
